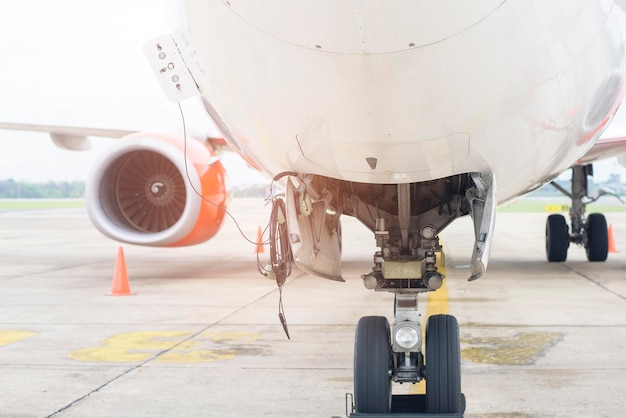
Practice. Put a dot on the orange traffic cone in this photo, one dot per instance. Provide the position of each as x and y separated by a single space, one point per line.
260 249
120 277
612 247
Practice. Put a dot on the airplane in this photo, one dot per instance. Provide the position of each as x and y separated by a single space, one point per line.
404 115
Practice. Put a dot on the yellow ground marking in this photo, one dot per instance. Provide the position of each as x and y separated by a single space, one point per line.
556 208
436 303
12 336
140 346
523 349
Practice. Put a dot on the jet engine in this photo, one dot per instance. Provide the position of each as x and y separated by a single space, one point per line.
157 190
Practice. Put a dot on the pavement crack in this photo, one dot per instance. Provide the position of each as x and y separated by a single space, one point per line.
167 350
597 283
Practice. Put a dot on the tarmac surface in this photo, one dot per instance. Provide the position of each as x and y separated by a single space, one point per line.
201 337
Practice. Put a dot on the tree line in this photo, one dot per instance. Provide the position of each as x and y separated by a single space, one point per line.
11 189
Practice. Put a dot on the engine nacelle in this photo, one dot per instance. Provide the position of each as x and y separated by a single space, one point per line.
155 190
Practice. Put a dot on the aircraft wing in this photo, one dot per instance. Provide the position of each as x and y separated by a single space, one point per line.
75 138
67 137
607 147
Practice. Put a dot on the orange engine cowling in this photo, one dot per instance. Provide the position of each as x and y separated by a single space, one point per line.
155 190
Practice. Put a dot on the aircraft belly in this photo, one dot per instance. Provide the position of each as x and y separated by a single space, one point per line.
513 104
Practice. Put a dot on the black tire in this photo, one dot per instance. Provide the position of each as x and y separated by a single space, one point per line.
372 363
597 245
443 366
557 238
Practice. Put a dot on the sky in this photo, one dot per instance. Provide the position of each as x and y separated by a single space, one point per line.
80 63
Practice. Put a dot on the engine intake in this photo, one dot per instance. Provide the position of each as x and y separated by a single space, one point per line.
144 190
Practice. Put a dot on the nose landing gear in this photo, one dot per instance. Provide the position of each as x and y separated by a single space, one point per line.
384 354
376 366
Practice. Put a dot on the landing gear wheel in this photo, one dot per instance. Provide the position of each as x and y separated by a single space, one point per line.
443 366
557 238
597 245
372 365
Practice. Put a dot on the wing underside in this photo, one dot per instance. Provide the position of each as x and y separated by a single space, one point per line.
606 147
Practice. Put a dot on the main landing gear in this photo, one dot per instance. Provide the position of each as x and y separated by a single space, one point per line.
590 232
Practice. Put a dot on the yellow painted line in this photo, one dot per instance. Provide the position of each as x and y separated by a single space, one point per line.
12 336
436 303
555 208
207 356
140 346
131 347
522 349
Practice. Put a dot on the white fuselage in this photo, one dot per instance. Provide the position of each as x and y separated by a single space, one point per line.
409 91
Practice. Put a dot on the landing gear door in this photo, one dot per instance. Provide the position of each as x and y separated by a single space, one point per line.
482 198
315 235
